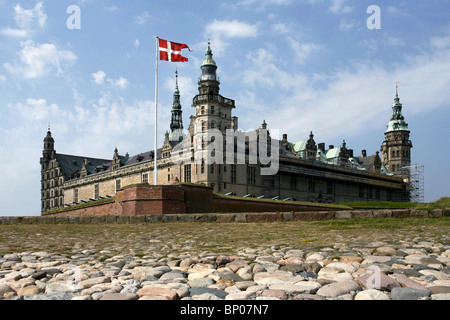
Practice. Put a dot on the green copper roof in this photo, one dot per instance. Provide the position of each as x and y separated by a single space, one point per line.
209 61
397 122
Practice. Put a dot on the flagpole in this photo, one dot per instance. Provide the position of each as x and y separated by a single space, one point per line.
155 159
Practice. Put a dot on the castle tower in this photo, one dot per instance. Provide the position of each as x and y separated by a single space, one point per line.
176 123
396 149
49 179
49 146
213 112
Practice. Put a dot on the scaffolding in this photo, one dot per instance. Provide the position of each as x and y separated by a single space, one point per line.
413 175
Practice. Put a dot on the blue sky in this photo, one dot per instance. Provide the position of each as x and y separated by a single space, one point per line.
305 65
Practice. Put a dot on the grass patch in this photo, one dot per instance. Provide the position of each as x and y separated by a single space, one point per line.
307 204
162 239
442 203
380 223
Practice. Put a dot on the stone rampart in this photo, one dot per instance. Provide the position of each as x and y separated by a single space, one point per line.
229 217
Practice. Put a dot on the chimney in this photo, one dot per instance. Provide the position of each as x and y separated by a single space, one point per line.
350 153
284 137
331 147
364 153
322 146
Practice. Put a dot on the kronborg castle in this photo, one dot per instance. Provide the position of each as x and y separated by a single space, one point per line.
307 171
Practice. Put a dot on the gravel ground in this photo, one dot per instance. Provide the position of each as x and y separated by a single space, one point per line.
376 259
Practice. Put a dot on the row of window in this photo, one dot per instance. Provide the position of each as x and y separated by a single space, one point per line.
396 153
52 183
52 203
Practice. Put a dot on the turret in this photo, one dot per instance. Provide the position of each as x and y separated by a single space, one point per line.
176 123
396 149
49 146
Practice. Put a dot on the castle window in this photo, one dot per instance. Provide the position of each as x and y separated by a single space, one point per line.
377 193
96 191
202 170
361 190
212 110
272 182
202 110
213 125
312 185
118 184
293 182
203 126
233 173
212 168
251 176
145 178
75 195
393 154
398 153
330 187
187 173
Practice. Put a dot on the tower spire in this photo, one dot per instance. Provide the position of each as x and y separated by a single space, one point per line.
176 123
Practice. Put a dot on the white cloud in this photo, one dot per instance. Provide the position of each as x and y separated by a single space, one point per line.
353 99
99 77
280 28
136 43
39 59
121 83
220 31
339 6
2 78
25 18
142 19
15 33
111 8
346 25
302 50
441 42
232 29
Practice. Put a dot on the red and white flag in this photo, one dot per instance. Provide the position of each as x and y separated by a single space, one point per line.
171 51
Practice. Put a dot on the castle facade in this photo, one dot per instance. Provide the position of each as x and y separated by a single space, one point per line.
305 170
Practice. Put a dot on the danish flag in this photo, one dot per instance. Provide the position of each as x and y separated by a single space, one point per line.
171 51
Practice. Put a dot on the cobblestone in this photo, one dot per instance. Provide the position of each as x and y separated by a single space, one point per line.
165 268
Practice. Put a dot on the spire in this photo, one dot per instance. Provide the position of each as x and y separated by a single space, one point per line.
209 57
49 144
397 122
209 66
176 123
176 82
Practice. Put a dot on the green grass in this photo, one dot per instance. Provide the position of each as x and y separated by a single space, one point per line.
442 203
221 238
381 223
307 204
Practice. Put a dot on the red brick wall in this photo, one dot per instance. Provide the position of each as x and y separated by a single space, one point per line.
179 199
